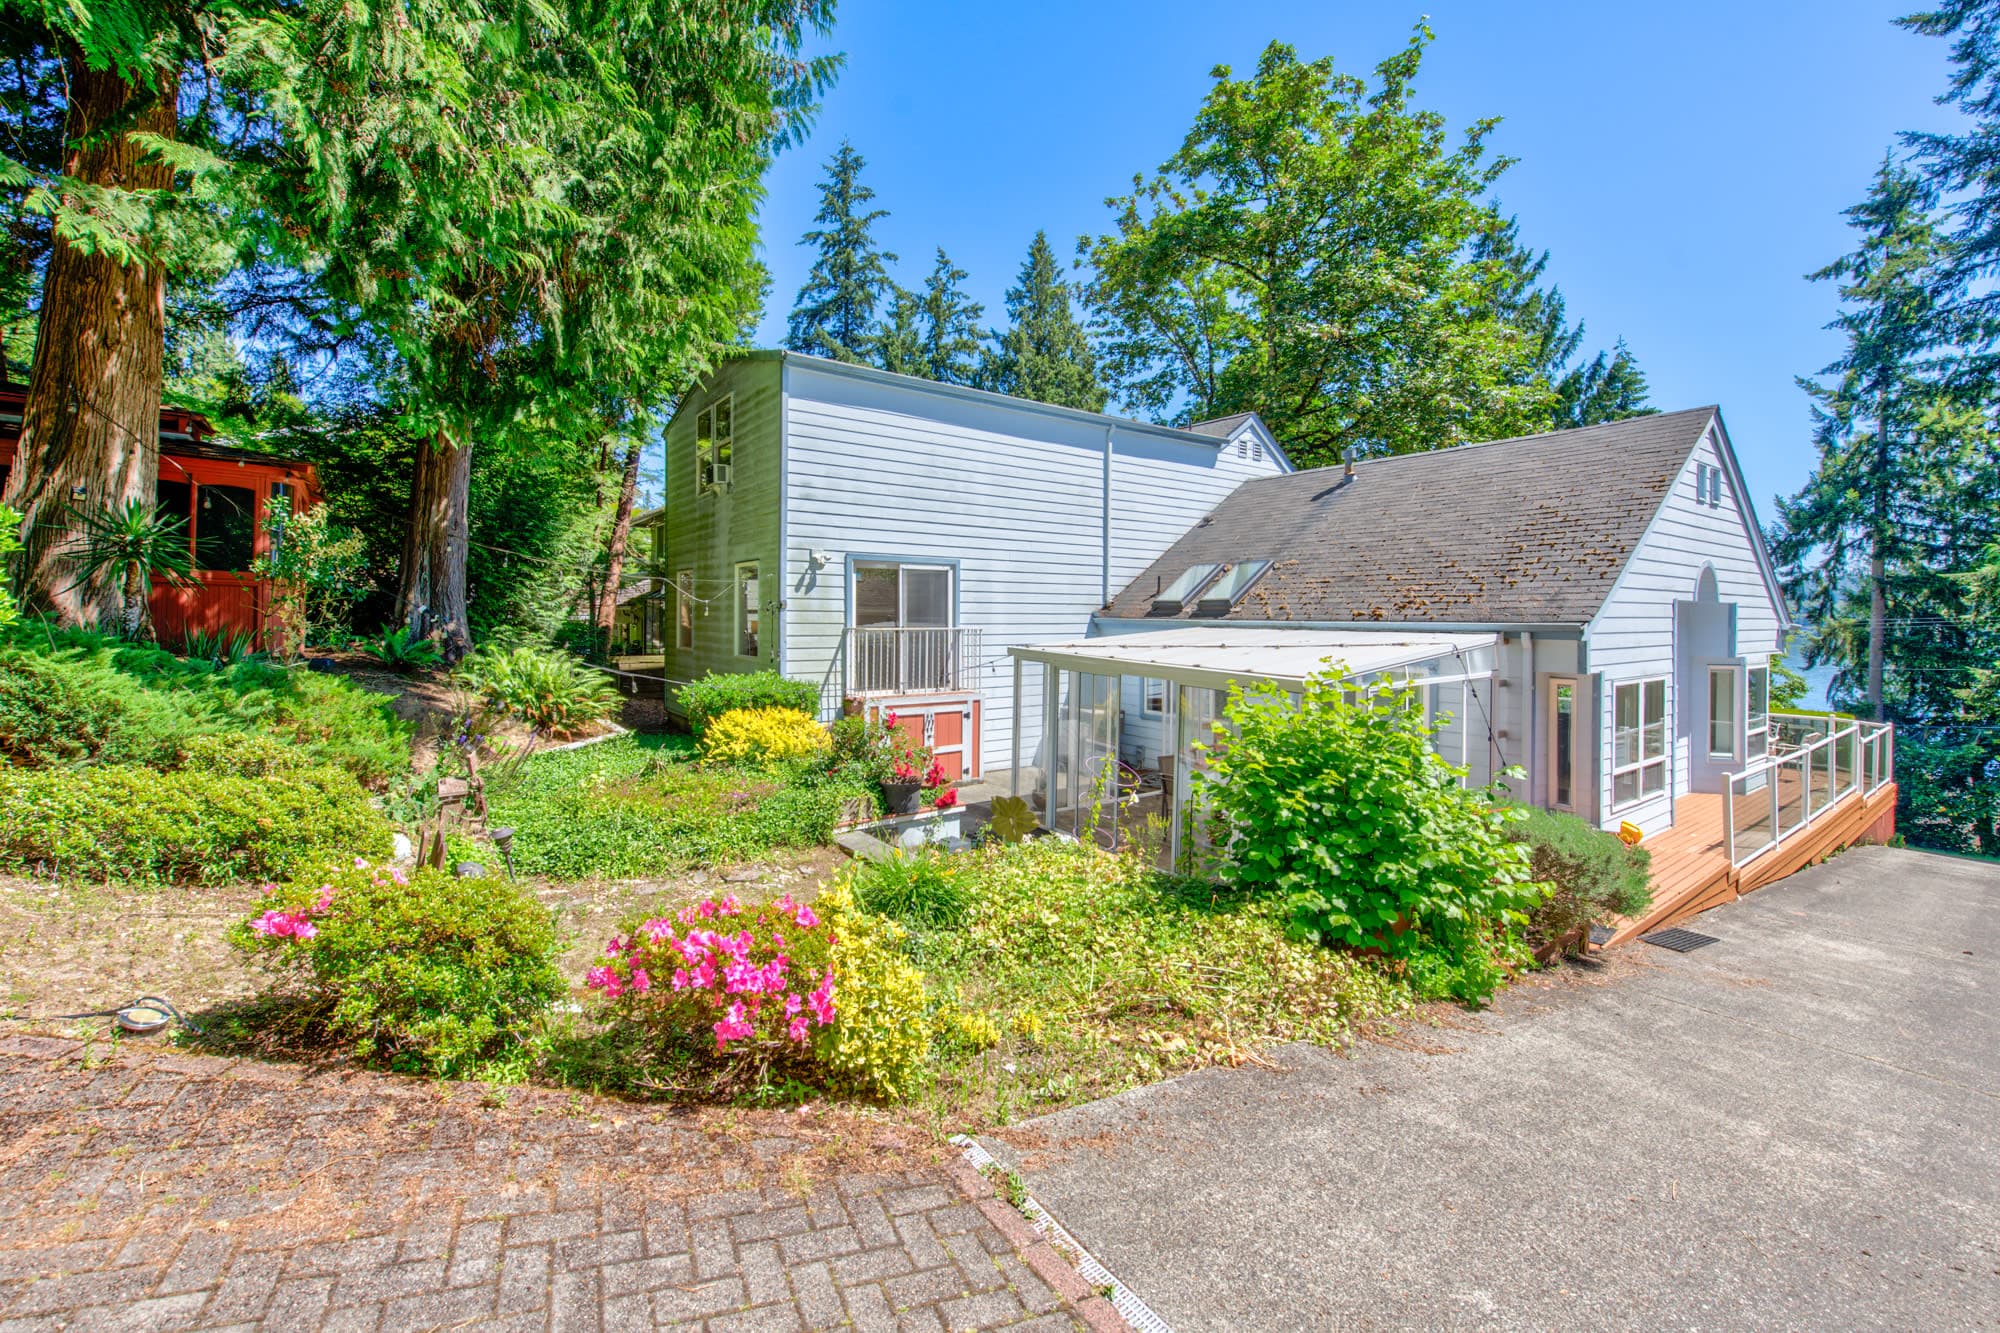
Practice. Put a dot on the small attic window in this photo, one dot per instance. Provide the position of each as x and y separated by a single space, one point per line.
1229 589
1707 485
1173 599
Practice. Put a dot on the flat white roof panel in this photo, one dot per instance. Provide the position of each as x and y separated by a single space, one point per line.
1208 654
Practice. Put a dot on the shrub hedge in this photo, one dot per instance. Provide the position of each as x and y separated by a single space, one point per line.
1593 874
201 824
718 692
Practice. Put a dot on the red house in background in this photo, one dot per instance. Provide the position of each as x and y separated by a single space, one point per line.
225 493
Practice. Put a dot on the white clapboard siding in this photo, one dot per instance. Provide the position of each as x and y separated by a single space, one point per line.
1632 636
1013 496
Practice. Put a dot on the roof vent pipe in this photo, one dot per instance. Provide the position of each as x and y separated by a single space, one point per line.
1348 455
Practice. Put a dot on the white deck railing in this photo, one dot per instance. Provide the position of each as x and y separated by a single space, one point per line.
1814 762
896 659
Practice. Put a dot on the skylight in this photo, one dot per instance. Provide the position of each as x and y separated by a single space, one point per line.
1173 599
1228 590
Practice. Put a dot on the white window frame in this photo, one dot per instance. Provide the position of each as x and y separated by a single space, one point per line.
684 610
1757 712
712 447
745 611
1732 674
902 621
1153 697
1641 763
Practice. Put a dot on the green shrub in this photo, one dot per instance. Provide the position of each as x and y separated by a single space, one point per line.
719 692
1592 874
550 690
422 972
762 735
636 806
186 826
919 888
401 650
74 697
1340 809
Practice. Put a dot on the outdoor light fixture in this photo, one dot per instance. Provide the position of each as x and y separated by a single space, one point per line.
503 838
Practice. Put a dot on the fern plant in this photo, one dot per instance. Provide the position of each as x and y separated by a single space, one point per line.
400 650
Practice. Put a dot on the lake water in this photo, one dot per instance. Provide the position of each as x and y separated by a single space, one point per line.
1819 679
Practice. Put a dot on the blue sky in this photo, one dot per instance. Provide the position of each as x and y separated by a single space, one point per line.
1684 164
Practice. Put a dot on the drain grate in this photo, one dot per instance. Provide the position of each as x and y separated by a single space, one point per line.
1680 941
1601 934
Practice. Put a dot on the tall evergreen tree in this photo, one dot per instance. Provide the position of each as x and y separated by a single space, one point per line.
834 315
1965 168
1883 516
1044 353
950 321
898 345
1609 387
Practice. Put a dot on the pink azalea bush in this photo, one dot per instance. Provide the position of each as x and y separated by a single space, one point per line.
774 985
750 976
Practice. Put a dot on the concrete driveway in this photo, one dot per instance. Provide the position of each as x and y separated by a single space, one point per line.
1798 1127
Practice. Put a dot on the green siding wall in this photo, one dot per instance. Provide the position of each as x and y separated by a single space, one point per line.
711 534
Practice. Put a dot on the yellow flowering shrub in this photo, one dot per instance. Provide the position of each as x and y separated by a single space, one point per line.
883 1032
763 735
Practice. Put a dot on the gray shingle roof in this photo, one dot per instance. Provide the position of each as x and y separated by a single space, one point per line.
1532 530
1221 427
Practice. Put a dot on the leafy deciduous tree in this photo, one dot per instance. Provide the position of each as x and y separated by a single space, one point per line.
1307 255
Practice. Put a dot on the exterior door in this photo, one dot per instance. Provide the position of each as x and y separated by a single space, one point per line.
1716 736
1564 735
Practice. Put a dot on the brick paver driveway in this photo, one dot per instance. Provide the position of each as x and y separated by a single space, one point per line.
140 1189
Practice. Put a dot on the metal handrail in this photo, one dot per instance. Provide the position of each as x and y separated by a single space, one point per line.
910 659
1840 757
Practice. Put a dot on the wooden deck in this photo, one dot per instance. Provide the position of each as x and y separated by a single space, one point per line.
1691 870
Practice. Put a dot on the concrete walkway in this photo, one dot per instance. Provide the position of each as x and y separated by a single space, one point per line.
1797 1127
145 1190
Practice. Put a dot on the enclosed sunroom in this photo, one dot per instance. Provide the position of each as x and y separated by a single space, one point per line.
1125 719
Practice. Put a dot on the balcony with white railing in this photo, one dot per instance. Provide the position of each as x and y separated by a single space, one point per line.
911 659
1814 763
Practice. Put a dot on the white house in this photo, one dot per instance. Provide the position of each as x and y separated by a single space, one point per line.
890 538
1619 571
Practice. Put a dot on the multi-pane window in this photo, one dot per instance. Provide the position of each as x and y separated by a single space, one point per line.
1155 696
714 441
1757 714
1638 740
684 609
747 608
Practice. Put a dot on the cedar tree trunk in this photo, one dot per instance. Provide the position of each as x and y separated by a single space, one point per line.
431 597
621 533
90 433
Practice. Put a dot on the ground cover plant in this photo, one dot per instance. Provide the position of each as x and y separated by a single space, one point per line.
642 806
71 696
1058 973
417 970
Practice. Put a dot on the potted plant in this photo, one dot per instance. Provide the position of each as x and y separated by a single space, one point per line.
903 789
